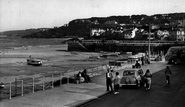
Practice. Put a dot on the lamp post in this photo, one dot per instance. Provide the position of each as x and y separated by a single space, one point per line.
149 43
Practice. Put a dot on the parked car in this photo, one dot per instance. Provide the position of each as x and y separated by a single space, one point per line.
2 85
32 61
94 57
132 76
133 58
172 54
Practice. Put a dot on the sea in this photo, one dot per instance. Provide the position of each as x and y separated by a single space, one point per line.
12 42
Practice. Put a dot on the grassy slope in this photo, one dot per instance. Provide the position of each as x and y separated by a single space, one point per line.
19 33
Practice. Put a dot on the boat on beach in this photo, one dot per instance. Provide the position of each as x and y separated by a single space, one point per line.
33 61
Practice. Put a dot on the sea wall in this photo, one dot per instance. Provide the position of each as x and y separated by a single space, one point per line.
119 47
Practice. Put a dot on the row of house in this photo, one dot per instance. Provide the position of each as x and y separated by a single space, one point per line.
175 35
175 31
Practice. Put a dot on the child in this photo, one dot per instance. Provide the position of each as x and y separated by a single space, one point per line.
117 83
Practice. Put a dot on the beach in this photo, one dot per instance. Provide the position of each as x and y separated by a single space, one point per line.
55 58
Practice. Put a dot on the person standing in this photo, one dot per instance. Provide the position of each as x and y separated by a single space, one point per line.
137 65
168 74
109 78
142 60
178 56
117 83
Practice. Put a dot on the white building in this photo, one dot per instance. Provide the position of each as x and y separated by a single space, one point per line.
180 35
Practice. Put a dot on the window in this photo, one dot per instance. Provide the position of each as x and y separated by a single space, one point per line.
128 72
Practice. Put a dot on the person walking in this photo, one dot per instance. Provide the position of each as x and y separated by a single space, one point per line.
168 74
117 83
109 78
148 80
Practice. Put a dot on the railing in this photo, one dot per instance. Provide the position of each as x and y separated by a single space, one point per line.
129 43
23 86
126 42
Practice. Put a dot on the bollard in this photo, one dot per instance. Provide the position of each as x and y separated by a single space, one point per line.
22 88
10 97
43 83
33 86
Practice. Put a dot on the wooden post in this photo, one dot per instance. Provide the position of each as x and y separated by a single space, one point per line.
33 86
52 81
10 97
15 86
43 83
22 88
68 77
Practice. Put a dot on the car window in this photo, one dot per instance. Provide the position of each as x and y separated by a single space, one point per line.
128 72
174 51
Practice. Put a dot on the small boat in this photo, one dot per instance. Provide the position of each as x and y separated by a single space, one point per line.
32 61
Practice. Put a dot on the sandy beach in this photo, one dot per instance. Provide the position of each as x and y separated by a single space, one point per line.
55 58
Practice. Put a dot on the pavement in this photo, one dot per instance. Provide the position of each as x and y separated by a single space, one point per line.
69 95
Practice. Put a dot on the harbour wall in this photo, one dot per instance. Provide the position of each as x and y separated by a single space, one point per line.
120 46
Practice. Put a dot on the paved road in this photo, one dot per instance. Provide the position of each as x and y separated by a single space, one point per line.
159 96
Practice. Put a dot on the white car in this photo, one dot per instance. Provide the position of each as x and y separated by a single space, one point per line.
132 76
2 85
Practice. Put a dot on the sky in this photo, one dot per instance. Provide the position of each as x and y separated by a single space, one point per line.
26 14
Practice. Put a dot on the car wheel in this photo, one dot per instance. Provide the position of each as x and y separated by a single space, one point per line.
172 61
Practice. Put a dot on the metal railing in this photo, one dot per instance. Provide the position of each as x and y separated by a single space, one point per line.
127 41
23 86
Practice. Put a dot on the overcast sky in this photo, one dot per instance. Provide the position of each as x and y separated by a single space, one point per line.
25 14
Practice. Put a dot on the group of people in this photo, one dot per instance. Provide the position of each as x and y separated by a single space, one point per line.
83 77
148 76
111 79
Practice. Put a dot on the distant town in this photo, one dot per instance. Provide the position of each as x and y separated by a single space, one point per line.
163 27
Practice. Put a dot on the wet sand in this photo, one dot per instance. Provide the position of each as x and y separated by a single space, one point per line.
55 58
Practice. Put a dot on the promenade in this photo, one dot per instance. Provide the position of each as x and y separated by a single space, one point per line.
70 95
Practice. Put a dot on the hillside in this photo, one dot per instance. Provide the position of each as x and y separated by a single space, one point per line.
83 27
20 33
